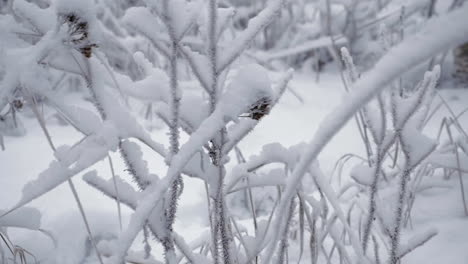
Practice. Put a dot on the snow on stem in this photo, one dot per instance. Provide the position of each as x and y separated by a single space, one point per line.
416 241
174 133
242 94
247 125
413 50
256 24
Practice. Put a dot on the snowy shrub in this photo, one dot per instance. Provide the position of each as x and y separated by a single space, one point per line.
188 64
310 33
392 126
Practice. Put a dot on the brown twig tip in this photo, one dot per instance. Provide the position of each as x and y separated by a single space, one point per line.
18 104
79 34
260 108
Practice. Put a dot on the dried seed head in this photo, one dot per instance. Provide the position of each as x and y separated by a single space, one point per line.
79 34
18 104
71 18
87 50
260 108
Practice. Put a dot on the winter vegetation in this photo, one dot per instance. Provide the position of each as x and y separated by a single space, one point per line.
233 131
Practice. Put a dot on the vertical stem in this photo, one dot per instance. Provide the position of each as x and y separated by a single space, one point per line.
175 101
119 211
372 202
376 250
431 8
249 191
381 151
2 143
460 176
212 55
284 240
221 225
395 239
168 241
334 52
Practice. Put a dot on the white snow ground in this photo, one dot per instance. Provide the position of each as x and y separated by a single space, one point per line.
291 122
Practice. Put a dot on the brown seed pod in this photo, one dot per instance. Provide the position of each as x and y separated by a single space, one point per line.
71 18
87 50
260 108
17 104
79 32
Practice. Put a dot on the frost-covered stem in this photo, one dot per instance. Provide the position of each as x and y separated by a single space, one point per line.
174 129
2 143
372 202
279 225
256 25
174 98
352 77
186 250
214 251
102 112
221 223
213 56
381 151
409 166
312 221
419 241
85 220
395 238
131 168
376 250
41 121
174 135
431 8
221 217
119 211
460 176
122 149
147 247
242 160
284 240
152 224
213 53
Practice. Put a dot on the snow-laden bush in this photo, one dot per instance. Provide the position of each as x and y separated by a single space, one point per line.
178 56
